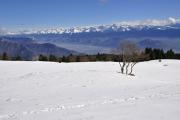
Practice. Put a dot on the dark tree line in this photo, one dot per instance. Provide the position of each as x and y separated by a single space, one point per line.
5 56
160 54
148 54
79 58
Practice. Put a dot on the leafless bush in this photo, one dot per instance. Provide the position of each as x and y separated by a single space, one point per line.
128 52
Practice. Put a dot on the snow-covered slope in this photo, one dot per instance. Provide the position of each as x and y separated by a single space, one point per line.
89 91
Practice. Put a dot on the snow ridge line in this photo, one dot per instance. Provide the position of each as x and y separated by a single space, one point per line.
79 106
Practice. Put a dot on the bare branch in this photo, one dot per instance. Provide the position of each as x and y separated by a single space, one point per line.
128 54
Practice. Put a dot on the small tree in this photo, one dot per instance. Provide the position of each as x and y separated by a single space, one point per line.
52 58
128 56
170 54
63 59
43 58
18 58
5 56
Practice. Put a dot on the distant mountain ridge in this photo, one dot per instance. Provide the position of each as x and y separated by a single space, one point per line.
102 38
29 49
170 23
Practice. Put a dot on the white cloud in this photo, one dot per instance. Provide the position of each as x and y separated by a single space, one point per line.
172 19
152 22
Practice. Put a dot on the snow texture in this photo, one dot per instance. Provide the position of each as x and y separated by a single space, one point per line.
89 91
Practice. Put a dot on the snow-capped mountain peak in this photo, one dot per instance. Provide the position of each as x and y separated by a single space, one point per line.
120 26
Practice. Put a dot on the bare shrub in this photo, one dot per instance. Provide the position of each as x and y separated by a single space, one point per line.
129 53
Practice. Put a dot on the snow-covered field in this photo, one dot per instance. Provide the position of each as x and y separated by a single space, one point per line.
89 91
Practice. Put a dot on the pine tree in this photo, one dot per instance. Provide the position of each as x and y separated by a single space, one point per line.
78 59
52 58
4 56
43 58
18 58
148 50
170 54
63 59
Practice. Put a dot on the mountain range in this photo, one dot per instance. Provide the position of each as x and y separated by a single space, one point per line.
29 49
170 23
103 38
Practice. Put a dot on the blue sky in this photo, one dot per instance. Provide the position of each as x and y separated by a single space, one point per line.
16 14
